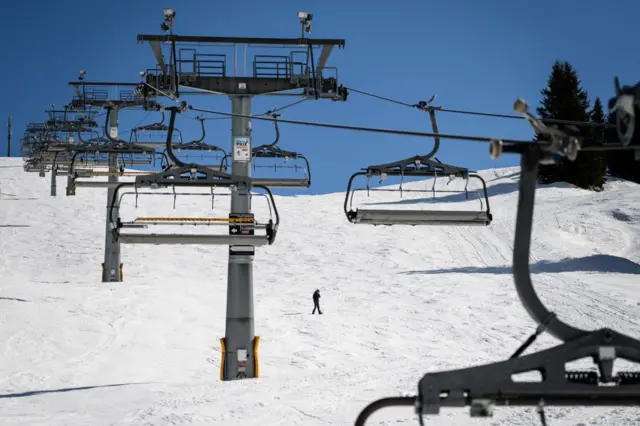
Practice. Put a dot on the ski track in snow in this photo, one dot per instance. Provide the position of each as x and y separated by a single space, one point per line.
399 302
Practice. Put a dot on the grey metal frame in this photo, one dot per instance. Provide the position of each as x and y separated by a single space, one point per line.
113 149
183 177
198 145
137 96
210 76
273 151
417 217
418 166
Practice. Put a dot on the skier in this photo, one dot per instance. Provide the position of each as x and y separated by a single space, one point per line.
316 302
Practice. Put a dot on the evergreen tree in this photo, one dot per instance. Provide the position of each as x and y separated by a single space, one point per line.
590 168
565 99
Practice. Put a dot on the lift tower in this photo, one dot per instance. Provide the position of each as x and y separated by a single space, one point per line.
301 70
97 95
9 137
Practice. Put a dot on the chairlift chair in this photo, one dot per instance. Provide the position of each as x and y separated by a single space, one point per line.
201 147
153 135
242 227
272 151
204 149
98 154
419 166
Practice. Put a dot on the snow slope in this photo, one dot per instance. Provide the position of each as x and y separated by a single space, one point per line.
399 301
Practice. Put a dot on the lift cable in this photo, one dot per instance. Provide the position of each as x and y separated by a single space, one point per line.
484 114
514 142
138 123
365 129
281 108
269 112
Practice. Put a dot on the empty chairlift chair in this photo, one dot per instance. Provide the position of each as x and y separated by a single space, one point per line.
153 135
419 166
282 159
243 229
199 150
93 154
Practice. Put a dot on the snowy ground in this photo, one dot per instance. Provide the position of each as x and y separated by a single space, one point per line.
399 301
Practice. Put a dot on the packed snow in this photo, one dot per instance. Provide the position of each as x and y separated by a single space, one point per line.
398 302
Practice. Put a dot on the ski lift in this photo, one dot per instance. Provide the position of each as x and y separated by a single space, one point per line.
198 151
97 154
154 134
282 159
420 166
241 227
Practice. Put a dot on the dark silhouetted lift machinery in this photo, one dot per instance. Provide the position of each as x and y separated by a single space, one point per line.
48 146
42 145
295 160
419 166
33 147
190 71
97 95
483 387
65 123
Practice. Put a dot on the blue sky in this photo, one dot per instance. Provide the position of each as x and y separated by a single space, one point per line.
474 55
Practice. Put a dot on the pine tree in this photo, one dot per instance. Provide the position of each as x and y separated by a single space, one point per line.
590 168
565 99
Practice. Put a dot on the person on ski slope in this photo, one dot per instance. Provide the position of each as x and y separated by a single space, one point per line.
316 302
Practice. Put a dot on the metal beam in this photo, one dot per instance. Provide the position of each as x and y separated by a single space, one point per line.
242 40
157 239
324 56
91 184
9 137
239 85
54 183
157 52
111 271
423 217
281 183
239 341
102 83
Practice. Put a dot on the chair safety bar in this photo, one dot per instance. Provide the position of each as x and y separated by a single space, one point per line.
159 239
282 183
143 222
115 173
265 152
196 219
417 217
215 167
92 184
420 217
